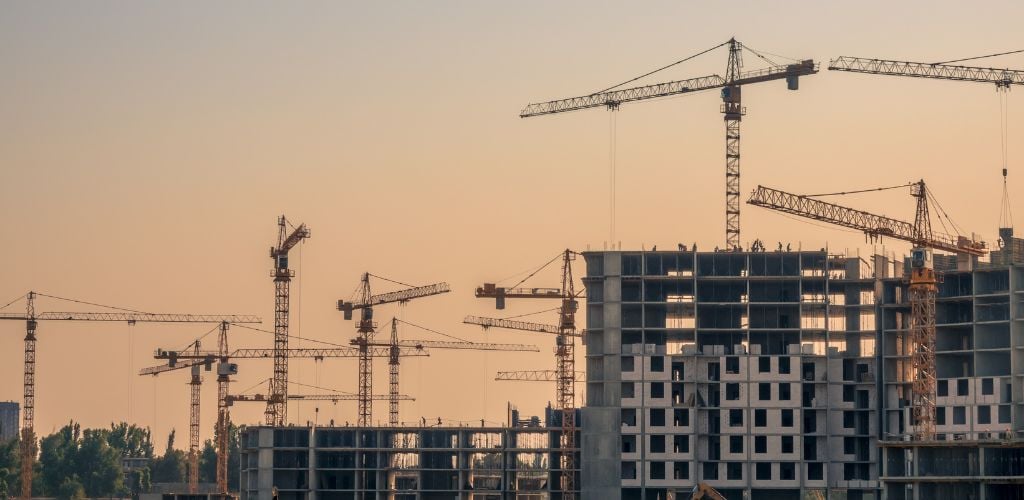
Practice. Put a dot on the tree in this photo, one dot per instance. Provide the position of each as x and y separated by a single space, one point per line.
208 463
70 488
98 465
170 468
131 440
208 459
9 467
57 457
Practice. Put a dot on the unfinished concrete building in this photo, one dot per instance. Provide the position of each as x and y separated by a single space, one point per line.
978 451
10 412
786 375
753 372
766 375
402 463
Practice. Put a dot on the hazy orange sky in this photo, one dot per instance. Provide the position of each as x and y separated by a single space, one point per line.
147 149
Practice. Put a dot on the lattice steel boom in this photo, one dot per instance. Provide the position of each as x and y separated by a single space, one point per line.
367 327
871 224
535 376
999 77
732 109
564 375
511 324
28 446
922 286
396 345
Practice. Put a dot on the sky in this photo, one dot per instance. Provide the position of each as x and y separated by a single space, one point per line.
146 150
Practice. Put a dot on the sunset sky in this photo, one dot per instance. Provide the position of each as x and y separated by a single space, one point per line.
147 149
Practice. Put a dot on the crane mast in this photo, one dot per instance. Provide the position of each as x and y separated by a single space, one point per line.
193 428
565 374
224 370
397 345
393 361
28 446
922 285
276 413
28 435
732 110
367 327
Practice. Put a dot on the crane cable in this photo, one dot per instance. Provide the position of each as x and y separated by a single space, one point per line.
11 302
1006 213
291 336
980 57
956 229
539 269
433 331
92 304
662 68
321 388
858 191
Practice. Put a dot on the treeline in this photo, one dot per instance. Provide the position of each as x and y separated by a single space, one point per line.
80 463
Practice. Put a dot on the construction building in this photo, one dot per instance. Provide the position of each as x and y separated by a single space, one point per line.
423 462
785 375
10 412
766 374
752 372
977 451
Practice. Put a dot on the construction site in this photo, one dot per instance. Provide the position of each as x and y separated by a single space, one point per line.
745 370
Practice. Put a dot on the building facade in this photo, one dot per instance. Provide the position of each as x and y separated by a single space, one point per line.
766 375
401 463
9 415
753 372
787 375
979 364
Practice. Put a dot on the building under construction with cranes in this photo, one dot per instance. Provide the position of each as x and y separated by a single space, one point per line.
763 374
737 373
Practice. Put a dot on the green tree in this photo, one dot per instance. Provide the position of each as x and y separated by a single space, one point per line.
98 465
131 440
170 468
208 459
70 488
9 468
57 457
208 463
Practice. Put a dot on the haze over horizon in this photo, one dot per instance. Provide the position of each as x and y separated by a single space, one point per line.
149 148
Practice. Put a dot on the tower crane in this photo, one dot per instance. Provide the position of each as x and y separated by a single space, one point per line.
922 282
32 318
367 327
565 356
396 345
225 369
197 359
732 109
528 326
276 413
1002 78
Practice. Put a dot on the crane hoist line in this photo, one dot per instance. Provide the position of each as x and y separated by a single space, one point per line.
732 108
922 281
364 301
564 375
28 448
